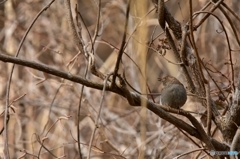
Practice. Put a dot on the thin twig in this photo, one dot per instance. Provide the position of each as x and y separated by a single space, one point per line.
137 25
45 136
78 115
194 44
229 47
207 70
209 110
189 152
6 115
97 25
202 133
51 105
121 50
228 42
177 56
98 116
43 146
207 15
231 11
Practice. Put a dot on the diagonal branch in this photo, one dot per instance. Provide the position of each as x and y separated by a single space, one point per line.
133 98
52 71
121 50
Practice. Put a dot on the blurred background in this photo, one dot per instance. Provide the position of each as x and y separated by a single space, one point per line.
47 114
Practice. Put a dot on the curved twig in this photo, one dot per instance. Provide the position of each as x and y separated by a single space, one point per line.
6 115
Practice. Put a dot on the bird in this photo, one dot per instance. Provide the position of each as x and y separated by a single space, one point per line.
173 93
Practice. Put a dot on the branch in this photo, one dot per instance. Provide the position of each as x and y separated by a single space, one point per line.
78 40
178 57
161 17
6 115
230 125
54 71
121 50
133 98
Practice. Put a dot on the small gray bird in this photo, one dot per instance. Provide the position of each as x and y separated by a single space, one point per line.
173 93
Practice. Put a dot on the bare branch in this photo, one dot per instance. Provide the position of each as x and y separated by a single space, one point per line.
121 50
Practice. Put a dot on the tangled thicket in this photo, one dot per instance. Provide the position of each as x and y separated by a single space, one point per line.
86 71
